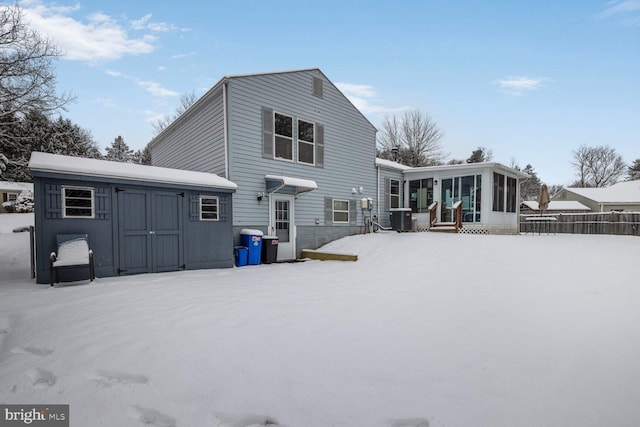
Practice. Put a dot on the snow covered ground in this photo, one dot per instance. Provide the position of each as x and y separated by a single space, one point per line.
425 329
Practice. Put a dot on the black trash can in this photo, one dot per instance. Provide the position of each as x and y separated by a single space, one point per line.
269 249
401 219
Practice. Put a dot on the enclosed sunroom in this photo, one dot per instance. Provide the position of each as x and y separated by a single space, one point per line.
488 196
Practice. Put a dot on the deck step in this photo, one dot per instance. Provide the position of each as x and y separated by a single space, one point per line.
327 256
445 227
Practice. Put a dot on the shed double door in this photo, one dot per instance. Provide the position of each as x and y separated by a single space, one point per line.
150 231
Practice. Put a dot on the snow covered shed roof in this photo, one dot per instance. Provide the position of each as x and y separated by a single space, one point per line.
45 162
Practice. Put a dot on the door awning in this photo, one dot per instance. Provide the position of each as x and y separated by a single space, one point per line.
289 185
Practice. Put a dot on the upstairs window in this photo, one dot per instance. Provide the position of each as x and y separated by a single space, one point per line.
306 142
283 136
209 208
77 202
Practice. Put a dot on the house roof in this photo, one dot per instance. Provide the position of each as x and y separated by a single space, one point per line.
390 164
227 78
627 192
469 166
15 186
45 162
558 205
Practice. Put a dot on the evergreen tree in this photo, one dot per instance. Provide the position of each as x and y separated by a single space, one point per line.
143 157
119 151
480 155
35 131
529 188
634 170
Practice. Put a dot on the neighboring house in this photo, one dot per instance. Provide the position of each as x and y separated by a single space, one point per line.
139 219
11 190
489 193
623 196
302 154
555 207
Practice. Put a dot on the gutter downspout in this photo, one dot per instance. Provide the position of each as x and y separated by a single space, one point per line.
225 130
378 192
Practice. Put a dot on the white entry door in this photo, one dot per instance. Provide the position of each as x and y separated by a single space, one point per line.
281 224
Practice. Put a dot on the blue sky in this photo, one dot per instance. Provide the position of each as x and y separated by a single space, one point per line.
530 80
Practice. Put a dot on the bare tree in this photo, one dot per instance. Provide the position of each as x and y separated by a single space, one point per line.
598 166
186 101
27 80
416 136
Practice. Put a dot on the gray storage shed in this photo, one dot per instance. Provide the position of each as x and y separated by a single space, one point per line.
139 219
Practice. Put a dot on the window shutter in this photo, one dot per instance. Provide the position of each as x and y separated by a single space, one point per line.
319 145
53 201
267 133
353 212
223 208
101 195
328 210
194 207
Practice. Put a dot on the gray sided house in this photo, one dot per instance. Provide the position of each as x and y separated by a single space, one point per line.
302 155
139 219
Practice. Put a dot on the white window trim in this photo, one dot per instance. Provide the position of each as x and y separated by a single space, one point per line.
302 141
333 211
12 197
217 199
64 202
293 138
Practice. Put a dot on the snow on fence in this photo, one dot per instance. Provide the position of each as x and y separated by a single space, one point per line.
623 223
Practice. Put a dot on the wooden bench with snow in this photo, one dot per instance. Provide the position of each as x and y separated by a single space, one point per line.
73 251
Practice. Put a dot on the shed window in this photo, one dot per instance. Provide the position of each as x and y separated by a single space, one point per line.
283 135
209 208
306 142
12 197
78 202
340 211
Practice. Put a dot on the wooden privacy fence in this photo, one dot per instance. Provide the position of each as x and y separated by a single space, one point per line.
623 223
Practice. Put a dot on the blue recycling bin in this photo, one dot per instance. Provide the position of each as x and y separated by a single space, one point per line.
252 239
241 254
